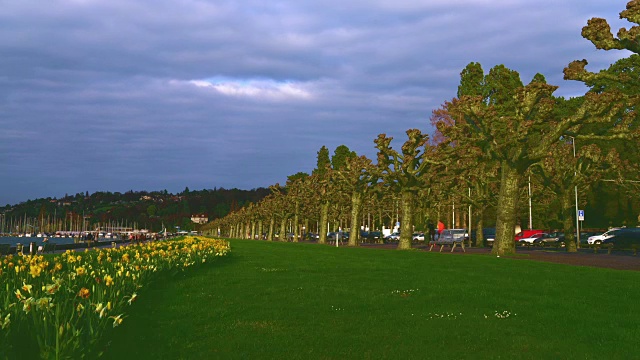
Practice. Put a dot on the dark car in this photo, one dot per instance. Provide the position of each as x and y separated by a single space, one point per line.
553 239
371 235
343 235
488 236
623 238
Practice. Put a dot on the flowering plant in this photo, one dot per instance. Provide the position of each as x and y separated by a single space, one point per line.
64 303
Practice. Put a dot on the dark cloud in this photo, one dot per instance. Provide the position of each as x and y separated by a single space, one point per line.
119 95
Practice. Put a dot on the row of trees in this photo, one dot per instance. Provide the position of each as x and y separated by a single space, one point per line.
496 134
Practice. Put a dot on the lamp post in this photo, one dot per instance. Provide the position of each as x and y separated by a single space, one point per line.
575 173
530 215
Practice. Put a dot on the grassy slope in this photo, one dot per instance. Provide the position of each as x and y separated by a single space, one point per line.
301 301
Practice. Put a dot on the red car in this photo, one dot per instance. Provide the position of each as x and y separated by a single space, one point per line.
526 234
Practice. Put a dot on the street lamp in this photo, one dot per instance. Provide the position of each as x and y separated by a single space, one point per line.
575 173
530 215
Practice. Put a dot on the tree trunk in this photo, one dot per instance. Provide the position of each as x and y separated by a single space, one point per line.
296 231
356 204
568 221
272 224
324 218
260 230
283 229
406 227
507 210
479 227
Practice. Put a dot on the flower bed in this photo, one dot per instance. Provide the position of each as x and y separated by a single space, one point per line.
62 305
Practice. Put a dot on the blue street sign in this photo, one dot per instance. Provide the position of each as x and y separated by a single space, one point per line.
581 215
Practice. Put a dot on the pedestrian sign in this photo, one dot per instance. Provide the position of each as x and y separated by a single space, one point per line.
581 215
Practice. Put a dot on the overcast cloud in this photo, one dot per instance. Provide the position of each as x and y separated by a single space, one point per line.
121 95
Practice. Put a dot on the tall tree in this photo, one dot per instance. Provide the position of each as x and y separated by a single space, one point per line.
405 173
295 192
355 179
340 156
618 85
323 162
322 182
514 126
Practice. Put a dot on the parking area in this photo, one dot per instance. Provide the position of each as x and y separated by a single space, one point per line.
618 259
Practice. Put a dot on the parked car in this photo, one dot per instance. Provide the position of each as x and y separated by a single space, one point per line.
623 238
343 236
370 235
554 238
526 234
449 236
488 236
534 239
598 239
418 237
584 236
395 236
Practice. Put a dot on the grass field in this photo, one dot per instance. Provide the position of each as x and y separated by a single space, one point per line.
302 301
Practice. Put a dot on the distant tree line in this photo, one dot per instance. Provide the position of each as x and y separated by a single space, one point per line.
141 209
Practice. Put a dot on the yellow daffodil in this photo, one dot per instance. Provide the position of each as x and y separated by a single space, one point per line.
51 288
101 310
81 271
26 287
44 303
133 298
84 293
108 280
26 305
117 320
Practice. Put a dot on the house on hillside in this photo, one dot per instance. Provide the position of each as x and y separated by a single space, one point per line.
200 218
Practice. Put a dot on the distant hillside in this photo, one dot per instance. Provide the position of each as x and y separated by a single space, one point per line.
140 209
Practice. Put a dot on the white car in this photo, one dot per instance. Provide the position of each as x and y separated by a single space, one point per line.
393 236
534 239
598 239
418 237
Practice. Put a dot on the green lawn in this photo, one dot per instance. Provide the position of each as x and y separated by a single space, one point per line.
302 301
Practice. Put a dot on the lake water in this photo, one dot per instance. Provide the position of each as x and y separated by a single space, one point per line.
28 240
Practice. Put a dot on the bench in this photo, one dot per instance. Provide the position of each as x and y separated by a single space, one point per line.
446 242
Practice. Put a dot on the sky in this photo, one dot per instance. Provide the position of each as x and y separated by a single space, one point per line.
119 95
